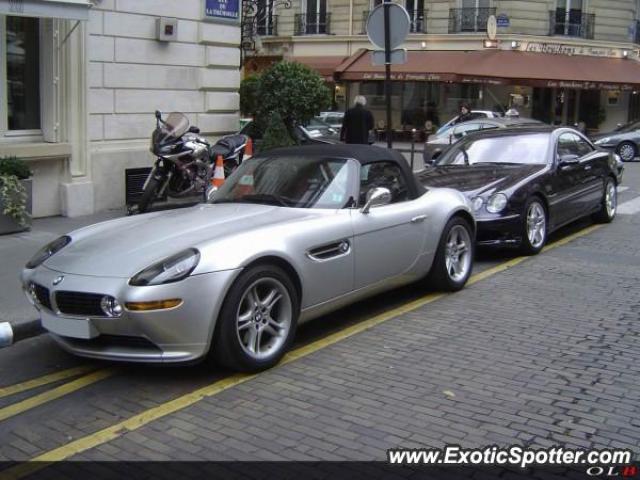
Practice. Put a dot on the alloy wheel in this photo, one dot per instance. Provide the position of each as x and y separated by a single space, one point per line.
611 199
458 253
627 152
536 225
264 318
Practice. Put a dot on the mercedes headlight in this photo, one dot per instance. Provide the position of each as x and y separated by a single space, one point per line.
48 250
602 141
477 203
171 269
497 203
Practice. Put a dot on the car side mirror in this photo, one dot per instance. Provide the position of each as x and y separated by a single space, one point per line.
568 160
377 197
194 129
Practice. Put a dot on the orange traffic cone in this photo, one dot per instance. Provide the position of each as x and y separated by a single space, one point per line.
218 173
248 149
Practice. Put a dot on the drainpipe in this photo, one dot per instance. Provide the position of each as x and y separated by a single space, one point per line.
12 332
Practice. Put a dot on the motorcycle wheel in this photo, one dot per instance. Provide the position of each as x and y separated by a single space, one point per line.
148 195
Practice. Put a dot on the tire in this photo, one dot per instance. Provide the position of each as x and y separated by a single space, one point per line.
534 227
453 263
241 326
148 195
609 206
627 151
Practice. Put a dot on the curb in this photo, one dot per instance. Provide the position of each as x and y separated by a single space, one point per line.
12 332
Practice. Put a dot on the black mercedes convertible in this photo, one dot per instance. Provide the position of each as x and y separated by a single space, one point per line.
526 183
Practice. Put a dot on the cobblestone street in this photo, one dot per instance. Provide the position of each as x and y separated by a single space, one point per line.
537 352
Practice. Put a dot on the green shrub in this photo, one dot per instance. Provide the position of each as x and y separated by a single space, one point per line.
14 166
276 134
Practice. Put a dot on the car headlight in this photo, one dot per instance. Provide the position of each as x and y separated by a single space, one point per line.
48 250
171 269
497 203
602 141
477 203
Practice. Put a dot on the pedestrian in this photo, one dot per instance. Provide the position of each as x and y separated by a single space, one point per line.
357 123
465 113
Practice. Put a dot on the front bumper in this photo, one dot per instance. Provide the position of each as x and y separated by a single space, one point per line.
499 231
179 334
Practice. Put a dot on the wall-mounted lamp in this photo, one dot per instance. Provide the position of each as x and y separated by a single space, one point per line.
488 43
515 44
423 44
625 53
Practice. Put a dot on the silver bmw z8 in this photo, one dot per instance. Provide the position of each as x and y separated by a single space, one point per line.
292 234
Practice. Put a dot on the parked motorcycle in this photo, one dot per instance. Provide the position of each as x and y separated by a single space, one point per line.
186 161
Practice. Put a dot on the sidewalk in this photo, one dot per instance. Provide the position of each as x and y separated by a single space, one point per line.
17 249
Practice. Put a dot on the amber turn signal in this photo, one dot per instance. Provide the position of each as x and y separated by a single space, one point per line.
155 305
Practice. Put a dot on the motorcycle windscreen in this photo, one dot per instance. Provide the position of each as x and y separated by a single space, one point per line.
174 127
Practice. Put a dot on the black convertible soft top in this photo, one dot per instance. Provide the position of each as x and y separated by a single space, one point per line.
364 154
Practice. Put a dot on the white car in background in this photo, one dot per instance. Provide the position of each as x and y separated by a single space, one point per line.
475 114
332 118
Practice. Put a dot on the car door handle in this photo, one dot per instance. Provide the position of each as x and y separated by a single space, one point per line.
418 219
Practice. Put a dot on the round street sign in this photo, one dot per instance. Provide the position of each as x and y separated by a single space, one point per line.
399 25
492 27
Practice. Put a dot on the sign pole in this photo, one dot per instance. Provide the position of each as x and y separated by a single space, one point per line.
387 70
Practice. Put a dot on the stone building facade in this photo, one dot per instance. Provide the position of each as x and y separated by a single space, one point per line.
81 81
330 34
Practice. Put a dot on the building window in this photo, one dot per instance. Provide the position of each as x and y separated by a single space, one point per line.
20 74
471 17
417 15
265 19
569 19
315 19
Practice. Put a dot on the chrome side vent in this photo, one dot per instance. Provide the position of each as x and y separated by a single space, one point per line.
329 251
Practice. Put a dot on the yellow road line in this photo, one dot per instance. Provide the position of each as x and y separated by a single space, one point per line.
62 390
44 380
137 421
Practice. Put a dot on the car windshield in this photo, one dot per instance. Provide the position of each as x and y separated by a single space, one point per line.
292 181
526 149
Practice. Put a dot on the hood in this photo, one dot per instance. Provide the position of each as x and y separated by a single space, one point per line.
474 180
614 135
123 247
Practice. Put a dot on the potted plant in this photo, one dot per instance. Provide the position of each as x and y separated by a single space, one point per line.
15 195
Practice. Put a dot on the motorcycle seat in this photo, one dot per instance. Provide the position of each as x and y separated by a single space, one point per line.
232 141
222 150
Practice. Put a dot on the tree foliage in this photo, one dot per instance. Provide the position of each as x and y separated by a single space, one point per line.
276 133
294 91
249 95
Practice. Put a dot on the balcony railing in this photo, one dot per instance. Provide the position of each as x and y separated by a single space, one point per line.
576 25
312 24
418 21
469 19
262 26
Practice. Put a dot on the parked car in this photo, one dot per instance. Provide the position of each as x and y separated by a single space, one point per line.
475 115
624 141
305 136
438 143
332 118
527 182
292 234
316 128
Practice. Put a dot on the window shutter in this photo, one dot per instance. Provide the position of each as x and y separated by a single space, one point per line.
49 112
